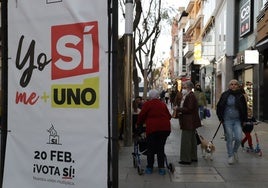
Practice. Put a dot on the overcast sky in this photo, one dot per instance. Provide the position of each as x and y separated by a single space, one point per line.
165 3
164 41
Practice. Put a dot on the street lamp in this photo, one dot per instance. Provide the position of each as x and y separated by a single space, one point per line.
128 73
129 17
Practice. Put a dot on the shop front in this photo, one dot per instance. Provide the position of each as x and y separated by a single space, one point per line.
245 71
262 47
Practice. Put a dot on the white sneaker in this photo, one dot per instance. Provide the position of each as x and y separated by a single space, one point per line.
236 156
231 160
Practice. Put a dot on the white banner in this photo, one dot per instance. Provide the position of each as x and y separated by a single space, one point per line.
57 94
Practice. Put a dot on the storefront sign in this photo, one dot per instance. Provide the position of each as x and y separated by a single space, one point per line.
251 57
245 18
197 53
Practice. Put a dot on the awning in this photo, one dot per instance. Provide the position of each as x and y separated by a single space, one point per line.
262 45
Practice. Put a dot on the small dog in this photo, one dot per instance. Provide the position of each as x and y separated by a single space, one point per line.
207 148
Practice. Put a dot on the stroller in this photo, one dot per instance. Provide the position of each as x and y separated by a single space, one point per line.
140 148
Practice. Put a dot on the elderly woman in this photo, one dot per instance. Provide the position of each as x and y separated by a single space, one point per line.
189 121
156 116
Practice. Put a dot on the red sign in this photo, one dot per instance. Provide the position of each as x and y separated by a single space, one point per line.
75 49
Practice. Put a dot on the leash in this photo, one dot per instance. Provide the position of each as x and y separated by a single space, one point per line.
216 132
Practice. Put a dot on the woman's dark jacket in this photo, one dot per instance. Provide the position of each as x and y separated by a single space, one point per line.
240 104
189 118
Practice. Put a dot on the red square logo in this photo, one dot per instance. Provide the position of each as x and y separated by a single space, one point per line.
75 49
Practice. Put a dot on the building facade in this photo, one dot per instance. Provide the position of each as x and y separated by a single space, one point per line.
234 44
260 73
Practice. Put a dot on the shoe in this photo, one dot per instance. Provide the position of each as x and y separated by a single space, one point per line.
257 122
250 149
148 170
184 163
231 160
161 171
236 156
224 137
194 160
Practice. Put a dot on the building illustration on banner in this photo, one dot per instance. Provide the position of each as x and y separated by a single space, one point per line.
54 138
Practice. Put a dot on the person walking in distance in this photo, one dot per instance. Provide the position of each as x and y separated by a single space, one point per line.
172 97
189 121
201 99
167 96
232 112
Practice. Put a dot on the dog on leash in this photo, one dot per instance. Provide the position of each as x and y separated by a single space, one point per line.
207 148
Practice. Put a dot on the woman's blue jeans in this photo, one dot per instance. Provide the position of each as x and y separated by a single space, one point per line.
233 133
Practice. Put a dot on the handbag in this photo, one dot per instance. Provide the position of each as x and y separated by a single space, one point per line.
207 112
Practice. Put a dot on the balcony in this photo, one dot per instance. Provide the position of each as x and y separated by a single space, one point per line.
188 50
199 19
189 25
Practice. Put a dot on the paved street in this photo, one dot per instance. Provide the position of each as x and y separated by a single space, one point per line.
251 170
